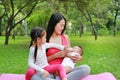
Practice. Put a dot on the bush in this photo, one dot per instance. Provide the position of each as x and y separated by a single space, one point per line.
102 32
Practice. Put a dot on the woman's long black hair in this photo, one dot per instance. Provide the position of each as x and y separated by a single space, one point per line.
36 32
54 19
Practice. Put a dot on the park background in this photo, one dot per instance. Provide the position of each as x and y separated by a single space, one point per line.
93 24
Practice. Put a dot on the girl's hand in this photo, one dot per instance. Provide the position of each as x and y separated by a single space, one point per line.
46 73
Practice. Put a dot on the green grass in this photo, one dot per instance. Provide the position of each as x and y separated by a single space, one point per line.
13 57
102 55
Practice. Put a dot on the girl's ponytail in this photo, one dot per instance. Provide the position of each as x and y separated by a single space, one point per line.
35 53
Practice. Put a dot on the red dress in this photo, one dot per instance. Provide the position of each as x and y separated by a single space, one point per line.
52 51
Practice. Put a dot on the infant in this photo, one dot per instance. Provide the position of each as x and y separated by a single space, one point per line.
67 62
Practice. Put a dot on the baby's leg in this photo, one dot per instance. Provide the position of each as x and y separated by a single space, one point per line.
68 64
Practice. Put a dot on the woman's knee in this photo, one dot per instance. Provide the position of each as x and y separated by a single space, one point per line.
87 68
84 68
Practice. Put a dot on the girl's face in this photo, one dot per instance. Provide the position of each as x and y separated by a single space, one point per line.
59 27
42 40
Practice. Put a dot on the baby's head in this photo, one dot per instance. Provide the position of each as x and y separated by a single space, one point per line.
78 49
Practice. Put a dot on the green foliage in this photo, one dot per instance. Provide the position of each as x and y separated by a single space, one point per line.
38 19
102 13
103 32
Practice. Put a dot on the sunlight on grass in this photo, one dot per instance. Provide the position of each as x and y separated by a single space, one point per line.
102 55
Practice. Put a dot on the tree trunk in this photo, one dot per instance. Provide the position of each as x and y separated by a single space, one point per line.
93 27
115 19
1 23
7 37
81 28
8 30
0 28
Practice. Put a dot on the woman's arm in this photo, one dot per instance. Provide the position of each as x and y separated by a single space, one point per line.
60 54
68 40
76 58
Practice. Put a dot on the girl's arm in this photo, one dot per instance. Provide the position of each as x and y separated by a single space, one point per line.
53 45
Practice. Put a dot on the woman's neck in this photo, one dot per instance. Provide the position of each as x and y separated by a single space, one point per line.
55 35
56 39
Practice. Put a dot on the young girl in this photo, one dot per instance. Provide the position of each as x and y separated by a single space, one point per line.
37 55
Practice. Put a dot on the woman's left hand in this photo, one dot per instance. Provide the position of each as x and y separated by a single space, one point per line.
76 58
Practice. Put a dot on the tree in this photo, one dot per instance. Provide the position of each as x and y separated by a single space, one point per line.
1 17
86 9
116 6
13 9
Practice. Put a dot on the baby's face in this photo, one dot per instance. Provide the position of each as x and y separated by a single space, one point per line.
77 49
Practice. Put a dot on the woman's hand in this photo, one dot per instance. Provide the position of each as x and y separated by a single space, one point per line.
46 73
56 55
76 58
60 54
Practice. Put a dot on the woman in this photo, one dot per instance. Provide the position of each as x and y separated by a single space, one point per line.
55 29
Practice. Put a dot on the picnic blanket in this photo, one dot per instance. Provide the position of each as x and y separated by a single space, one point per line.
101 76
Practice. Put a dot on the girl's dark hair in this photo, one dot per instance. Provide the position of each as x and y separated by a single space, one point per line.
36 32
54 19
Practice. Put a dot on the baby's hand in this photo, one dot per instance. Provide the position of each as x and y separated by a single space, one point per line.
76 59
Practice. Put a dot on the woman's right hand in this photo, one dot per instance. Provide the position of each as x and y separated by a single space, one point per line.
46 73
60 54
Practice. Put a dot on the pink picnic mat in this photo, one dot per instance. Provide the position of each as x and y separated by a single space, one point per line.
12 77
101 76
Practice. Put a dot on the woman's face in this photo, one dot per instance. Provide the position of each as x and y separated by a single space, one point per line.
59 27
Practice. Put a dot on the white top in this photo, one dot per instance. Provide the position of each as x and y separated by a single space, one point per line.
68 62
41 59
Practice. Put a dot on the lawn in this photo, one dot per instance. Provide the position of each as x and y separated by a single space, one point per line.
102 55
